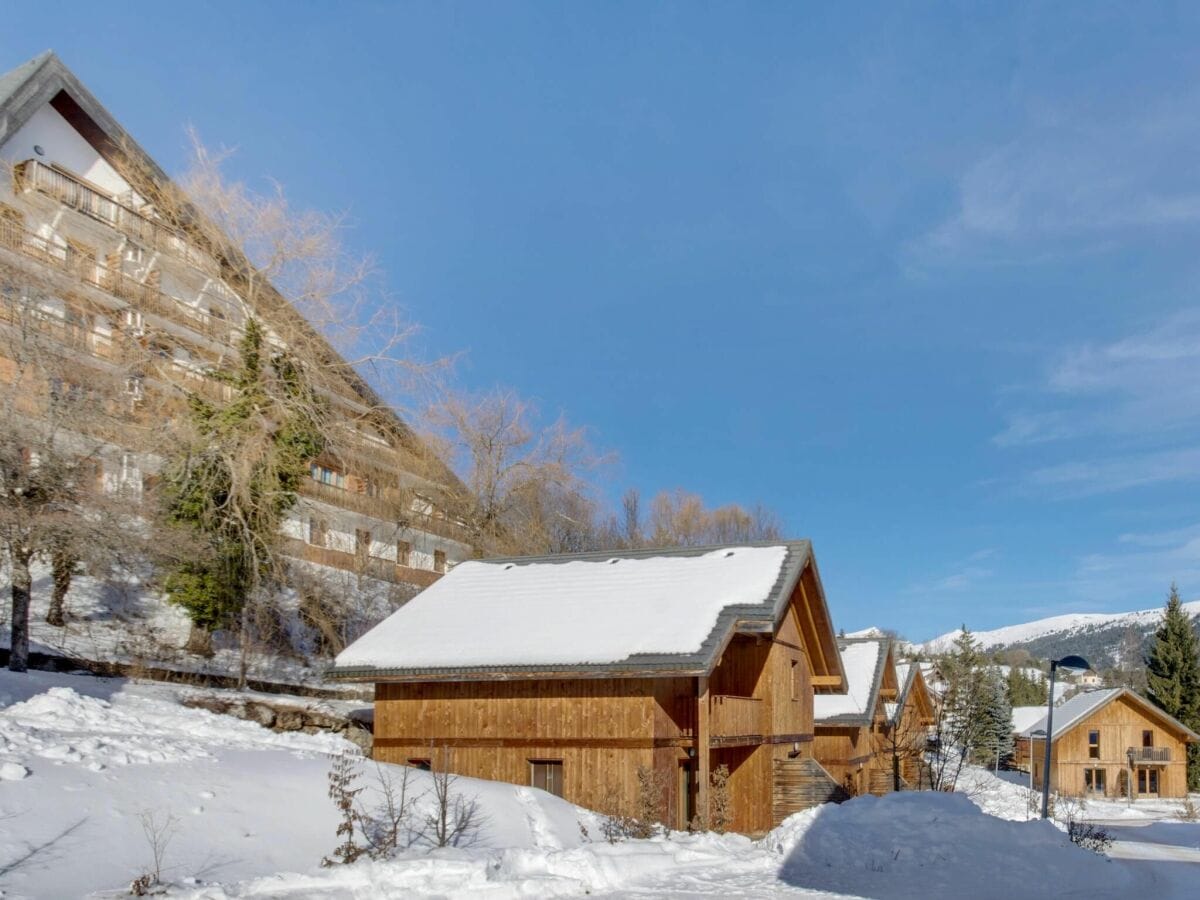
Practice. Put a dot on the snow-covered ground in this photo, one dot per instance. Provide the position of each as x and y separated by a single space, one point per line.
129 622
83 760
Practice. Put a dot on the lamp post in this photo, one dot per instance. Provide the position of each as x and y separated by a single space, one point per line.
1067 662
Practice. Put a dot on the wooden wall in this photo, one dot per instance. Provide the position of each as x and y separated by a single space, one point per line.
604 729
1120 724
601 730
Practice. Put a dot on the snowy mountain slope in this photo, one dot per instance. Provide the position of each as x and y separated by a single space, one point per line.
1096 636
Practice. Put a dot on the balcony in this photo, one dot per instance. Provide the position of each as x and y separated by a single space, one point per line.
144 297
736 720
377 507
71 192
1149 754
352 563
387 509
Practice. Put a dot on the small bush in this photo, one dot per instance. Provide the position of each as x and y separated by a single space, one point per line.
1188 811
1089 836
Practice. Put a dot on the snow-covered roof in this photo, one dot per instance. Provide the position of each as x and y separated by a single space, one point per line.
636 612
1085 703
864 662
1026 717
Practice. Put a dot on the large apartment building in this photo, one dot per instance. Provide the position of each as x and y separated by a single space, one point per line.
143 304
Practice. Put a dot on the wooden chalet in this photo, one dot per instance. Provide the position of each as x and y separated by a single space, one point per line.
852 728
910 719
1112 743
569 673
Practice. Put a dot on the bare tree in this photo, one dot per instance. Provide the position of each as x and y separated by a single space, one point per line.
526 480
455 819
56 421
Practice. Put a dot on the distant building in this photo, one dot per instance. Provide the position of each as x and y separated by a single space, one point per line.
1112 743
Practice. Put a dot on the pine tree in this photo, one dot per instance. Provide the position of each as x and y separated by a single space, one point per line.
1023 690
994 741
1173 674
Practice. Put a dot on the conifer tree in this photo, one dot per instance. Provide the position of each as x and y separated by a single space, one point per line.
1173 674
1023 690
234 484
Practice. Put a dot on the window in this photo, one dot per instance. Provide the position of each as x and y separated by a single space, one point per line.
1094 781
134 321
133 386
403 553
797 680
547 774
130 478
317 533
326 475
424 765
1147 738
439 561
1093 745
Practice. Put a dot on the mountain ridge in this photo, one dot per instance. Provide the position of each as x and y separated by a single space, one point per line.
1097 634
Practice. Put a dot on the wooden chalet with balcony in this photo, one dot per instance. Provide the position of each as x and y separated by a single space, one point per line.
570 673
1112 743
156 309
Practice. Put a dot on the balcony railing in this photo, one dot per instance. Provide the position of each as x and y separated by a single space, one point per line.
735 717
387 509
1149 754
33 175
145 297
378 507
353 563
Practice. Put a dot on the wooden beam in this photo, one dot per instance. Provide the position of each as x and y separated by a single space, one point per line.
703 753
827 681
814 635
608 743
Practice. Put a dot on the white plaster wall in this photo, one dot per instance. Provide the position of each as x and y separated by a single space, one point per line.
63 145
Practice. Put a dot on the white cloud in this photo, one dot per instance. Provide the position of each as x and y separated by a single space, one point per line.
1146 384
1067 183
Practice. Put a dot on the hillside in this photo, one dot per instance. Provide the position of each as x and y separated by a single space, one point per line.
1095 636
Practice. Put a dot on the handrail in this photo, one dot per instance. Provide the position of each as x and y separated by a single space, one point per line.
1149 754
74 193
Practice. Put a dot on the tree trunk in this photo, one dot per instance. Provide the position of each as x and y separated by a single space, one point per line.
199 641
63 565
22 590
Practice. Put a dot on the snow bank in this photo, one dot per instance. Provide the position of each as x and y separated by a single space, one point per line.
922 845
564 613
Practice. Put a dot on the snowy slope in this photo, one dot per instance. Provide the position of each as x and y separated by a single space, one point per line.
81 759
1102 631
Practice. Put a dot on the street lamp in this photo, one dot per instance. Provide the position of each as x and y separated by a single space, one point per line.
1077 663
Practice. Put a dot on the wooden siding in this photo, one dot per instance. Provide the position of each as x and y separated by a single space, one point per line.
753 714
1120 724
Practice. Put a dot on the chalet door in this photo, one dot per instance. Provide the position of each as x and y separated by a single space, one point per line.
687 792
1147 780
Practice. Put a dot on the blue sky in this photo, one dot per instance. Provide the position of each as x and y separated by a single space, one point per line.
924 281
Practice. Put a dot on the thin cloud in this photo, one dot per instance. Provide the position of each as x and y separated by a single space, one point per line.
1066 185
